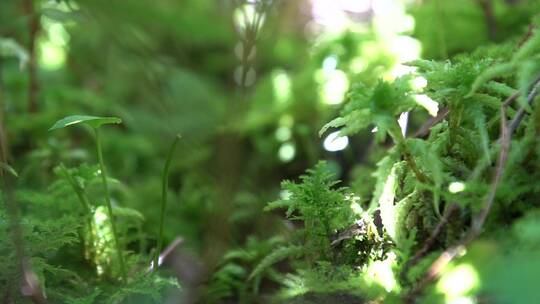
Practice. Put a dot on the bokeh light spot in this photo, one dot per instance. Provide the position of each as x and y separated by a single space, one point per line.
286 152
458 281
456 187
333 142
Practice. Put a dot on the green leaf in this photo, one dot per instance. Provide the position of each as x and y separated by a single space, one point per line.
8 169
92 121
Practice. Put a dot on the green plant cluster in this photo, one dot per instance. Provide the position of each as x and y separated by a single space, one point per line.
103 233
422 178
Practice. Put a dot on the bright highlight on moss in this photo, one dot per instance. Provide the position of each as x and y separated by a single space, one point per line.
381 273
333 142
427 103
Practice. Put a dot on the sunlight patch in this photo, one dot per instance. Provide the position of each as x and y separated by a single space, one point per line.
459 281
329 64
381 273
334 85
102 249
283 133
418 83
355 204
282 86
53 45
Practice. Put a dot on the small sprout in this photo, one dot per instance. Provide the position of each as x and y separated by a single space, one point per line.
95 122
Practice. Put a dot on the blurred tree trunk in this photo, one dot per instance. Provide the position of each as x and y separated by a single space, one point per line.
33 31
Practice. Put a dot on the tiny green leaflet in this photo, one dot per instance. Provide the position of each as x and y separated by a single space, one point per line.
92 121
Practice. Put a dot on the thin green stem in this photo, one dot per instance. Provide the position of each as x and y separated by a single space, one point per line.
399 139
165 186
78 191
109 205
83 198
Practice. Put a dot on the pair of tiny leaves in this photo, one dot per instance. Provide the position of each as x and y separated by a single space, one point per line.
92 121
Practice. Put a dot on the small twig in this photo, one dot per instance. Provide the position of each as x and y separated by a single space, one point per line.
511 99
521 112
529 34
506 136
356 229
426 127
163 255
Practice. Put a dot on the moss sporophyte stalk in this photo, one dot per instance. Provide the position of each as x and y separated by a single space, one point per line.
164 189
